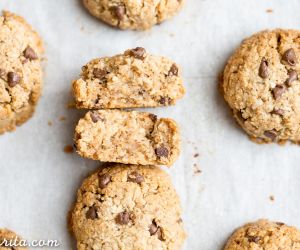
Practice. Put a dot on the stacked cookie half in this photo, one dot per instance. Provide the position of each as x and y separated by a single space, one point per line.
130 204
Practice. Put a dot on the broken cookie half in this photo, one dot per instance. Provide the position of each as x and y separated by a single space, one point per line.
131 80
127 137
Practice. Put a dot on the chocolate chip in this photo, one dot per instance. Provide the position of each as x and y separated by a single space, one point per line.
153 228
290 57
153 117
159 234
95 117
119 12
164 100
91 213
138 53
162 151
254 239
271 134
239 115
135 177
278 91
293 76
99 73
278 112
173 70
30 54
123 218
13 79
263 69
104 180
280 223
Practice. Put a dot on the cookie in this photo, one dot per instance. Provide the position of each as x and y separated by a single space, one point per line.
264 235
261 86
20 71
133 79
133 14
127 137
10 240
127 207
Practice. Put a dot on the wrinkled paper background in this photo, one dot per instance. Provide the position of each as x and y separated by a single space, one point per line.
38 180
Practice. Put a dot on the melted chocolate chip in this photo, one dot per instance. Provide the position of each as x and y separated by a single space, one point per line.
138 53
95 117
164 100
153 117
162 151
278 91
290 57
153 228
263 69
123 218
293 76
99 73
271 134
91 213
104 180
254 239
119 12
30 54
135 177
278 112
13 79
173 70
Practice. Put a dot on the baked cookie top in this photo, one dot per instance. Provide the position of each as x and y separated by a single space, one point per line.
20 69
8 239
127 207
261 85
132 79
133 14
265 235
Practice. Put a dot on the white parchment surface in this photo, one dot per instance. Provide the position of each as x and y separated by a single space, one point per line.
38 180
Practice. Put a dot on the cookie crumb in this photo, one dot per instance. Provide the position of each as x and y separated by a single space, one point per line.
62 118
70 105
197 170
272 198
68 149
269 11
50 123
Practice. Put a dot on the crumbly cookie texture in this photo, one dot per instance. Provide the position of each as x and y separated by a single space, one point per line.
265 235
127 207
133 14
7 238
261 86
132 79
127 137
20 71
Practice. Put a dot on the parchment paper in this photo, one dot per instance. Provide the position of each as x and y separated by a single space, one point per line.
38 180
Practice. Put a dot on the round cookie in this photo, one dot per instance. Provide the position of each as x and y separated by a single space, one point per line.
8 239
264 235
261 86
127 207
20 71
133 14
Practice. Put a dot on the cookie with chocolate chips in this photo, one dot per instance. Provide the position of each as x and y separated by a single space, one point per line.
263 235
10 240
125 213
127 137
133 79
20 71
261 85
133 14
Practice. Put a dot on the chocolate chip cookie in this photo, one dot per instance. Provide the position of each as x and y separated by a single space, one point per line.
132 79
8 239
261 86
127 207
127 137
264 235
133 14
20 71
